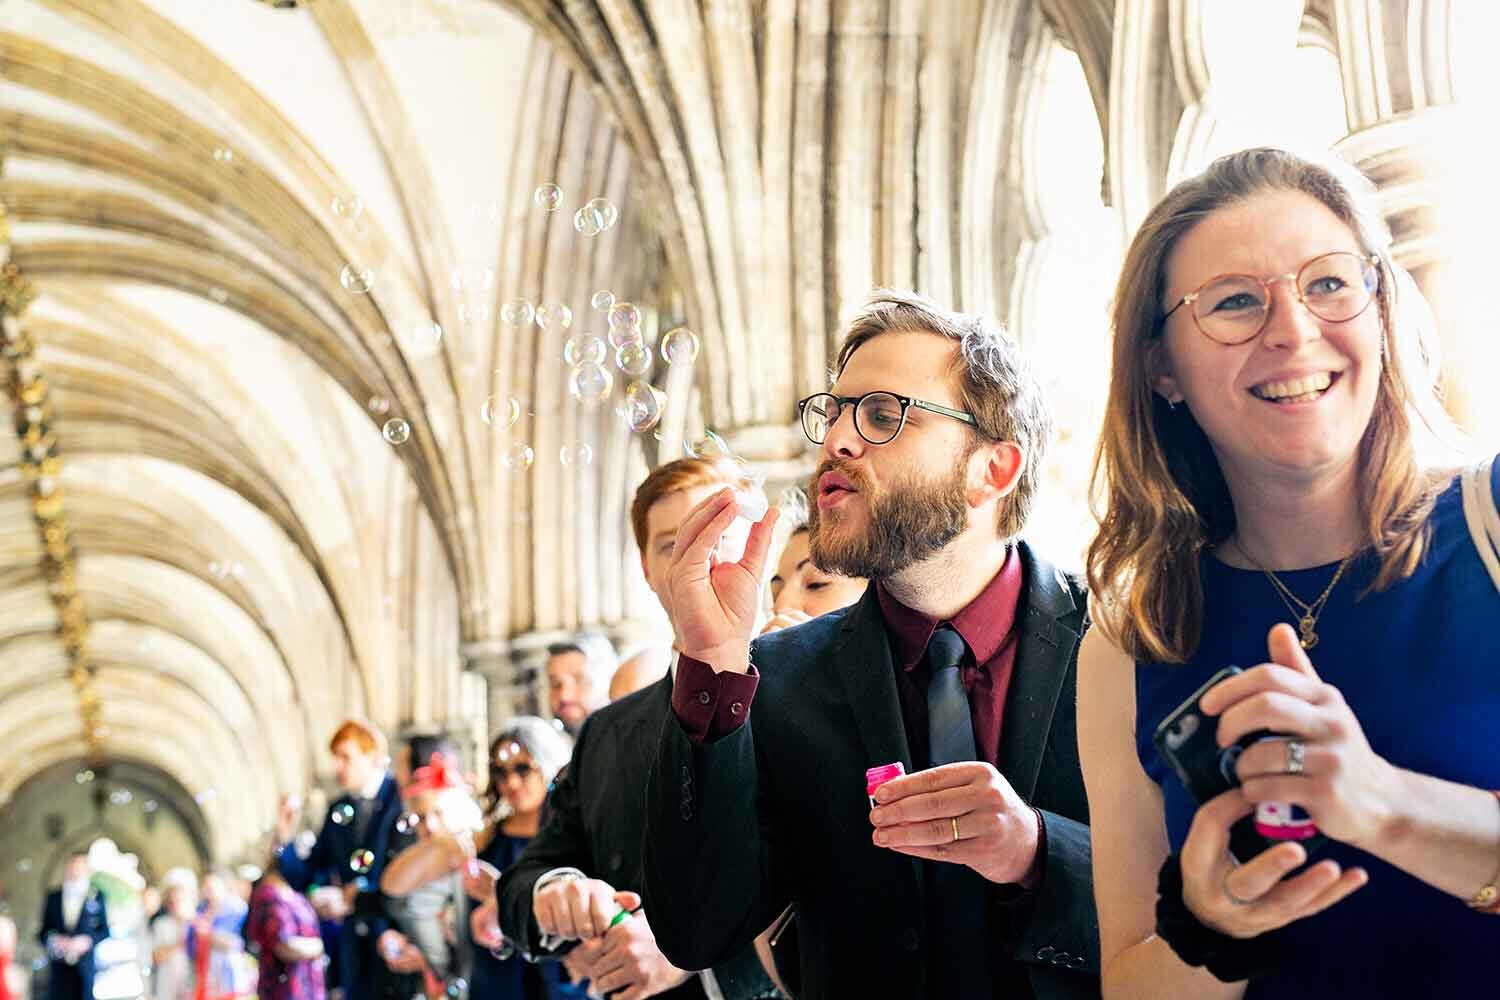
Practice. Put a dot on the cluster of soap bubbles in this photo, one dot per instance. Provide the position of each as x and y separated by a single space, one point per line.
342 814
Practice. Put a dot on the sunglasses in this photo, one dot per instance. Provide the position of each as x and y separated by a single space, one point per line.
523 770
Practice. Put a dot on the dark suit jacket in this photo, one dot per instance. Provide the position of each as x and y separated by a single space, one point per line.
595 822
328 863
776 812
73 982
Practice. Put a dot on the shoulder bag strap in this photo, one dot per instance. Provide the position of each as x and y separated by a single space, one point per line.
1483 518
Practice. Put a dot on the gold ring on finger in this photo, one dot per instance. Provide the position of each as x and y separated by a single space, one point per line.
955 828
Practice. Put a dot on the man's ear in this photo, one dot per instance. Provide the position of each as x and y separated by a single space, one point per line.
1001 470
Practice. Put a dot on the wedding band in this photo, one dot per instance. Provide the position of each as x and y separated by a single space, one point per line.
1295 751
955 828
1228 893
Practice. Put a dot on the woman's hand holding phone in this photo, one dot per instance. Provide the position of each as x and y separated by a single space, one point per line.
1342 784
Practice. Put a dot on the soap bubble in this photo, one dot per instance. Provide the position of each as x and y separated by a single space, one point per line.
518 456
408 822
584 349
517 312
575 454
347 206
554 317
84 777
357 278
710 446
361 861
633 358
206 796
422 339
342 814
624 316
501 411
223 154
472 278
378 405
396 431
643 406
23 866
602 299
590 383
596 215
548 197
679 346
458 989
625 335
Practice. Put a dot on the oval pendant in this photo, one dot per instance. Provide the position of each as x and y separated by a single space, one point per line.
1309 638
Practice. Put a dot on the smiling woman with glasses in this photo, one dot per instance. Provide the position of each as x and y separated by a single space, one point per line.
1264 503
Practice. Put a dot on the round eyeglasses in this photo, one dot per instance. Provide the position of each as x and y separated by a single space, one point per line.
1232 308
878 416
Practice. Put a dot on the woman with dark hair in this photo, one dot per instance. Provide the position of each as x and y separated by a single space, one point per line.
523 760
1260 463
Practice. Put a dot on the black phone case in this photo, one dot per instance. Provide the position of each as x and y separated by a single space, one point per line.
1187 739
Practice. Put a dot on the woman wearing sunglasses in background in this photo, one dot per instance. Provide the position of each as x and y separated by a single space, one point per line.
1260 465
523 760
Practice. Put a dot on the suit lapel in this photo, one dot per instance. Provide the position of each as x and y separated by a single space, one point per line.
869 677
1043 652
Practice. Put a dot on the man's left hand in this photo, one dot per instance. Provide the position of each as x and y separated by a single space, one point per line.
630 965
997 836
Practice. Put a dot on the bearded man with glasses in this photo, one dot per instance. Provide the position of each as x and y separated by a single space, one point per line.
969 876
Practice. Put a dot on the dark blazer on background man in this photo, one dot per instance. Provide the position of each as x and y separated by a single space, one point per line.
594 821
73 982
329 863
776 813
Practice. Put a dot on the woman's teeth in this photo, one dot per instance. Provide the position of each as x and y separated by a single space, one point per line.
1296 390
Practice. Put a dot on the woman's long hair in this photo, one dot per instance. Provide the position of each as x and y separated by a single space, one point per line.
1163 496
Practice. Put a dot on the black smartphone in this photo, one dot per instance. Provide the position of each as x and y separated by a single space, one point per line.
1187 739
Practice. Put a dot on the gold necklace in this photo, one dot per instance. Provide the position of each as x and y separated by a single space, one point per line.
1307 618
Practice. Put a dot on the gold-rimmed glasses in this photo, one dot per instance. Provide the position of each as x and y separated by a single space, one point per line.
1232 308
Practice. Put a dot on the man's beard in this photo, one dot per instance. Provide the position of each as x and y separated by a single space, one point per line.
908 521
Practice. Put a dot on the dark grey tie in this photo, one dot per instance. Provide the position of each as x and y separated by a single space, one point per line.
957 924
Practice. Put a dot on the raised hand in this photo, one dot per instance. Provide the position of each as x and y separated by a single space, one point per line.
714 604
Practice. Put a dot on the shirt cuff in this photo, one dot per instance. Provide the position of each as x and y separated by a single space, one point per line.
711 705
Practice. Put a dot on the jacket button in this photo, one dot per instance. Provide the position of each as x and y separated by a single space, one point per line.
909 939
687 776
704 698
736 708
1046 953
687 810
1077 962
616 861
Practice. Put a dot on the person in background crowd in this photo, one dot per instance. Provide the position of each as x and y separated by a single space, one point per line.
582 872
284 929
969 877
427 946
73 924
578 676
1265 460
216 943
524 758
800 591
360 820
171 969
639 670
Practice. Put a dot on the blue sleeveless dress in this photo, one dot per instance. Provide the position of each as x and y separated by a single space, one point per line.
1419 664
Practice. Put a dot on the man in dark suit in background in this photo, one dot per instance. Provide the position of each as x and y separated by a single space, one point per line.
73 923
347 857
579 878
971 877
